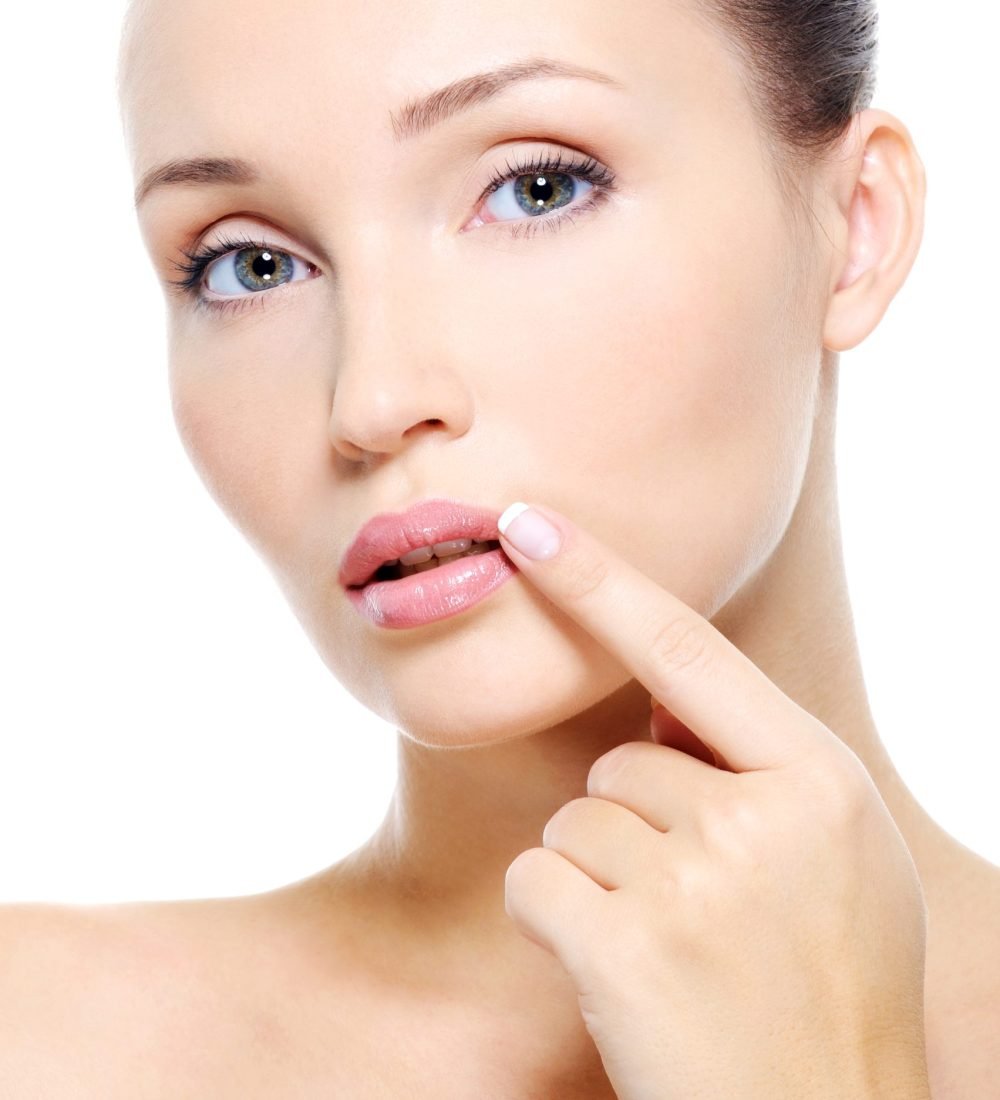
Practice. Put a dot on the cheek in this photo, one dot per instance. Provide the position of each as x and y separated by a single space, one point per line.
668 401
253 428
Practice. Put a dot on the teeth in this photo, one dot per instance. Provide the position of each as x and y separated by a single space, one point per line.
428 557
438 550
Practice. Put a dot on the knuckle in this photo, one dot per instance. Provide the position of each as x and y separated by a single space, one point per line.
692 892
564 817
854 797
841 791
691 896
677 644
523 871
606 767
585 574
735 825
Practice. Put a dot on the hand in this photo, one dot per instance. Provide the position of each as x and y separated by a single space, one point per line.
733 901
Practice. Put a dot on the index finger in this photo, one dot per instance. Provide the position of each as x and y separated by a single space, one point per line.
685 662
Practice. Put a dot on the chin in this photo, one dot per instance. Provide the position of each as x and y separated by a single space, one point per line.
531 693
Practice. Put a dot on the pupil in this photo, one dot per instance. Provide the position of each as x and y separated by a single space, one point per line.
264 266
540 190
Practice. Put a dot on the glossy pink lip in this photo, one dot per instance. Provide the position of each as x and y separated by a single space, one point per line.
392 534
433 594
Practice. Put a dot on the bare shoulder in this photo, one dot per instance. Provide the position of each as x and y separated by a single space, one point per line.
54 958
289 993
58 967
139 999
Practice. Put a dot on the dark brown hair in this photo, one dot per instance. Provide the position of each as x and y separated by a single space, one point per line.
809 66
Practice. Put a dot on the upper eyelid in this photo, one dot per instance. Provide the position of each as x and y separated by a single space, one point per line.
202 256
569 162
575 163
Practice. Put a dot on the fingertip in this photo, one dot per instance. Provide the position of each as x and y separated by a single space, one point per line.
529 532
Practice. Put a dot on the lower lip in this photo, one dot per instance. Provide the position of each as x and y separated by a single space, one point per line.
435 593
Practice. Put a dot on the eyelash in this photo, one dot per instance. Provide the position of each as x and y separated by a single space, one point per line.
589 169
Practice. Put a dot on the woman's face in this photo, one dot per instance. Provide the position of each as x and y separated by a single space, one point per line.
647 365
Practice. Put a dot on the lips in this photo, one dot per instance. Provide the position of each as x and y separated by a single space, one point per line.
392 534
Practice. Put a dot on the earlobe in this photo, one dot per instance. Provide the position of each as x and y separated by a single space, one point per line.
880 228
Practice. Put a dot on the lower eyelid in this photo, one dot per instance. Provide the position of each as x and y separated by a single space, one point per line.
527 227
230 302
516 227
236 303
217 306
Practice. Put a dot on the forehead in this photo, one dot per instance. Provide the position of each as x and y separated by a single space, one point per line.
244 77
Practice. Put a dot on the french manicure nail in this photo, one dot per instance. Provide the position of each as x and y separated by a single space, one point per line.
527 530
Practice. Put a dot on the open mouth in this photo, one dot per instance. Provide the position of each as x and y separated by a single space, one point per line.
394 571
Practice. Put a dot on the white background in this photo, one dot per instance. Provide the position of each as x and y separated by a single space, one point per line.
166 729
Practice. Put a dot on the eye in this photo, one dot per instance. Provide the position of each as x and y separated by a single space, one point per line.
534 191
550 191
253 269
237 269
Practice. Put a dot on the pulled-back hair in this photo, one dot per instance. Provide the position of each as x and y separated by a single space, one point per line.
809 66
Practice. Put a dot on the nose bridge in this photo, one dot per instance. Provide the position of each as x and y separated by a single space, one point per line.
382 297
390 317
378 235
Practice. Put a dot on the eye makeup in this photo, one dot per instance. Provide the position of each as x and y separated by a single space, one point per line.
547 171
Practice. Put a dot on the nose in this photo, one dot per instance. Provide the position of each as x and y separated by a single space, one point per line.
396 379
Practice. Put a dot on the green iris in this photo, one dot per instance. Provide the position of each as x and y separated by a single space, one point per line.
259 268
534 192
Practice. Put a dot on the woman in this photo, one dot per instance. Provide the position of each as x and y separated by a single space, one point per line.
603 261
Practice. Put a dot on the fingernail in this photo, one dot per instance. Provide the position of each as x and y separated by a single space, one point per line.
529 531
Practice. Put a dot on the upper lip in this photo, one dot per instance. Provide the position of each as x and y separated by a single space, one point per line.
390 535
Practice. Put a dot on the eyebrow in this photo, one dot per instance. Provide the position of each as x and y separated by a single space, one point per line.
469 91
416 117
196 170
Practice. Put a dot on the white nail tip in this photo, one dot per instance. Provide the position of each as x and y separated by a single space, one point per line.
510 514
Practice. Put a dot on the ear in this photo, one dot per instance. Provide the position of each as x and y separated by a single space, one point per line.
877 222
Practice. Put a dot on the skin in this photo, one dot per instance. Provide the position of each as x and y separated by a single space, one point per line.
734 903
687 332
